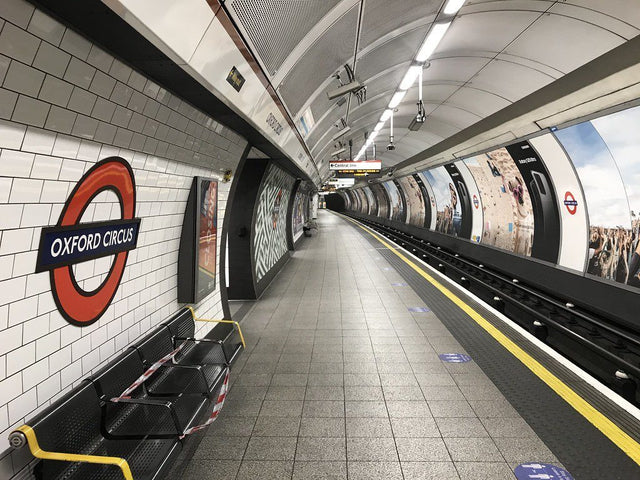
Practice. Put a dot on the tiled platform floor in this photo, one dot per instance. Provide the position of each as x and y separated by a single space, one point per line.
341 381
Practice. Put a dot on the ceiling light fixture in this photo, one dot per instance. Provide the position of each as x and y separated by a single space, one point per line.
386 114
431 42
452 7
410 77
397 98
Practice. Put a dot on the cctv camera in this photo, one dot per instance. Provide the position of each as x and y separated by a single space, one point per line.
391 146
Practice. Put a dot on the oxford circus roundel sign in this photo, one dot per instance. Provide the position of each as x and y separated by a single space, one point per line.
70 242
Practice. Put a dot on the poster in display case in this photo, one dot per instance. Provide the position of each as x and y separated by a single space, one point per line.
197 257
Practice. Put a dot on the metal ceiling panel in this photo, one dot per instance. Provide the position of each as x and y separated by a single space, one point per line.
454 69
326 56
275 27
455 115
325 124
388 82
431 93
480 102
510 80
401 49
625 11
383 16
484 32
563 43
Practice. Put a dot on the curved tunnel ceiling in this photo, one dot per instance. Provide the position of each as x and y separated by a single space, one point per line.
495 53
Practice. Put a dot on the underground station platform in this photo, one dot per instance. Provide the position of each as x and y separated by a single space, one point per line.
364 362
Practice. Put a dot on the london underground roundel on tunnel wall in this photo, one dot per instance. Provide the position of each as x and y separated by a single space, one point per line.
70 242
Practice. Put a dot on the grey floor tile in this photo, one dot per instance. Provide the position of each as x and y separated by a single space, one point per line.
524 450
222 469
323 408
371 449
276 427
243 408
415 427
366 409
253 379
498 408
290 379
315 470
321 448
363 393
319 393
422 450
278 392
238 392
271 448
451 408
227 425
461 427
431 471
326 379
403 393
281 408
374 470
451 392
265 470
292 367
411 409
435 379
507 427
362 379
218 447
368 427
322 427
327 367
473 449
475 470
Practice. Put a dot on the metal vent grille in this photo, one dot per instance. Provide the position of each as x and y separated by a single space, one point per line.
275 27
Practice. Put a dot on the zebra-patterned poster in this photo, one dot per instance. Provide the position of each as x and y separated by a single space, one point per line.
270 239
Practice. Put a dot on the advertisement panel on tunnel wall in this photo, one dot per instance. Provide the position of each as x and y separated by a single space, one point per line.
395 202
373 204
415 201
364 203
448 210
383 199
605 153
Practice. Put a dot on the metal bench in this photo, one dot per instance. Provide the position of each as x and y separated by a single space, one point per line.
70 439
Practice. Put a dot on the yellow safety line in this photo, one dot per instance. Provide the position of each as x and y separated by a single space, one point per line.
37 452
614 433
193 313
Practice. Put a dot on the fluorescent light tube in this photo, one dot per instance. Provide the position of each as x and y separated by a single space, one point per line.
378 127
431 42
410 77
452 7
386 114
396 99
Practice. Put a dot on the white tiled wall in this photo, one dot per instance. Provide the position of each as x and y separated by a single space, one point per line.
64 105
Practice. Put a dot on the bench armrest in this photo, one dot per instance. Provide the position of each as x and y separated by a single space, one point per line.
153 402
235 324
204 385
25 434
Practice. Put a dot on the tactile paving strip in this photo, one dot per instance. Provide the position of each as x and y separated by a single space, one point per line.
582 449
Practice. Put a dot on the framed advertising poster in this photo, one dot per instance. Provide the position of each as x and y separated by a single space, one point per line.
197 258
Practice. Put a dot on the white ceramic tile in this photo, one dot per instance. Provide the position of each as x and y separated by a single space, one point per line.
47 345
36 328
10 387
21 358
66 146
47 167
37 283
25 190
88 151
45 27
23 79
30 111
46 304
71 170
5 189
18 44
10 291
48 389
25 263
79 73
22 406
36 215
8 101
51 59
14 241
75 44
6 266
60 359
38 141
14 163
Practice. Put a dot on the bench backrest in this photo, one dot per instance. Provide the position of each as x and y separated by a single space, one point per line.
182 324
155 345
71 425
119 374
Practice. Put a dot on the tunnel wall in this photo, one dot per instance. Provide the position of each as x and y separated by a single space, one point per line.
65 104
564 204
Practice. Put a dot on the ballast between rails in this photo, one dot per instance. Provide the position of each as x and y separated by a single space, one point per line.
602 349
